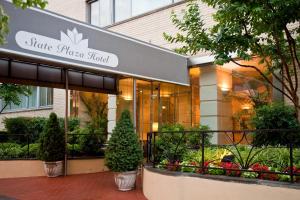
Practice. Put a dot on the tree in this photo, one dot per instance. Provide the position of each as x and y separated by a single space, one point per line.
268 29
4 18
52 141
10 93
124 152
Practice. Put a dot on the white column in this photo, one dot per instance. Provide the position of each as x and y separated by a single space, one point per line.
215 107
112 113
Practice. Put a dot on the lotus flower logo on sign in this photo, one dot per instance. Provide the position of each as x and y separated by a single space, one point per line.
71 45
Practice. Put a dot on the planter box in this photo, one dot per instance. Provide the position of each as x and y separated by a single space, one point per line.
31 168
158 184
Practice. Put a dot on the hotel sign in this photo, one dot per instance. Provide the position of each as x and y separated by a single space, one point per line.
48 38
71 45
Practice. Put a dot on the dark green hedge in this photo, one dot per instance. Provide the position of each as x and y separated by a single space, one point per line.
31 126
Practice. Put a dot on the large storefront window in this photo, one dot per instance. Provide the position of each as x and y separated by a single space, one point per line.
106 12
40 97
156 104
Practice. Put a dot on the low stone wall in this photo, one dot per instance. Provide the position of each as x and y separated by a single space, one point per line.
157 186
31 168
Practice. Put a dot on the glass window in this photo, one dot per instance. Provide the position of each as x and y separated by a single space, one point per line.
122 10
95 16
102 13
32 99
106 12
38 94
142 6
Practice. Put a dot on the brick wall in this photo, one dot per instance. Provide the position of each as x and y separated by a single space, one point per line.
76 9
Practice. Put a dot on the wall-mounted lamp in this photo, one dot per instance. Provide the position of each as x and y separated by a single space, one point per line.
127 97
155 126
225 90
163 107
246 107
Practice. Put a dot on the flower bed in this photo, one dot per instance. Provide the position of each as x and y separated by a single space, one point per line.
242 161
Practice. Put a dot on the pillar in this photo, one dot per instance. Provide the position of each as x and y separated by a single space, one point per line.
111 114
215 103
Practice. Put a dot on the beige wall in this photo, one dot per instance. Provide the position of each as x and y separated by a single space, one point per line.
195 188
76 9
150 28
58 107
31 168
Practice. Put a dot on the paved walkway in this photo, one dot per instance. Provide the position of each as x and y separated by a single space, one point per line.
98 186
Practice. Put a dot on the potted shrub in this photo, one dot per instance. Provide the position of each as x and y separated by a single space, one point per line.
52 147
124 153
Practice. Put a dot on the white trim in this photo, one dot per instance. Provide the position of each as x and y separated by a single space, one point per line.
200 60
104 31
80 66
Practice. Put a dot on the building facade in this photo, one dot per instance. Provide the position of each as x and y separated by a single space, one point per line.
218 96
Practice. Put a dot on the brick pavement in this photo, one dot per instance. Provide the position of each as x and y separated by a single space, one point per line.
76 187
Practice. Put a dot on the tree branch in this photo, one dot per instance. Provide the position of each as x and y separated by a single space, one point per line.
290 42
266 78
6 104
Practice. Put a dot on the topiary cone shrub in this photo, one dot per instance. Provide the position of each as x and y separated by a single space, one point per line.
52 141
124 152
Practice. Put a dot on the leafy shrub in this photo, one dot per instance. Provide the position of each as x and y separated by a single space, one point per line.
10 150
32 151
275 116
74 149
18 125
91 141
33 127
194 139
73 123
124 152
172 143
52 141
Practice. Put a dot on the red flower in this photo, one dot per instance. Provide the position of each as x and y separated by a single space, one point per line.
263 168
173 166
229 166
200 170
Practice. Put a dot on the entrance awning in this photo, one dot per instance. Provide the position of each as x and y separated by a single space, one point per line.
47 38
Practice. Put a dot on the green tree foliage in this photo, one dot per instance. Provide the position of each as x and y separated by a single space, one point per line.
10 93
4 18
52 141
275 116
124 153
264 28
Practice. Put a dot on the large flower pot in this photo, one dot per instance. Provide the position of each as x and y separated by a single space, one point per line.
53 169
125 180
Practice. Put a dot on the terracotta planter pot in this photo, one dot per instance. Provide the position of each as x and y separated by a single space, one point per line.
53 169
125 180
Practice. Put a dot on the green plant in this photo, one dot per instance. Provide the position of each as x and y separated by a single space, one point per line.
284 116
73 123
10 151
194 139
91 141
32 151
170 143
249 174
52 141
124 152
16 127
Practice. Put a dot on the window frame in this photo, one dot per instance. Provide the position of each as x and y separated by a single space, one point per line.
132 16
28 107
